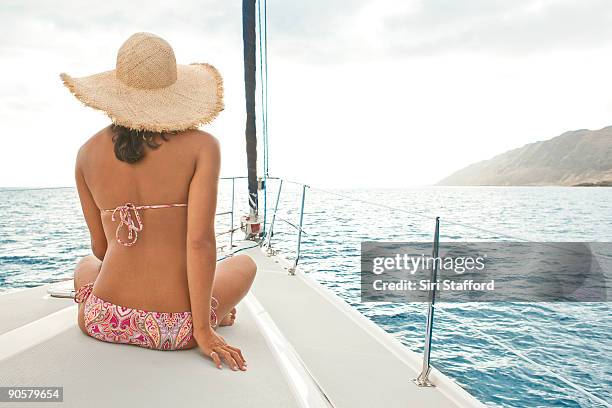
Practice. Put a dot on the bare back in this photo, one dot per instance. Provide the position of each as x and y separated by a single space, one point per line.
151 274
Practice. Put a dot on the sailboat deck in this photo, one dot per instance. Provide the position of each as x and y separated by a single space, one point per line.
350 360
98 374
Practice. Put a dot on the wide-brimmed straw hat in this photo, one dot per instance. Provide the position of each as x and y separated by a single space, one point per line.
149 91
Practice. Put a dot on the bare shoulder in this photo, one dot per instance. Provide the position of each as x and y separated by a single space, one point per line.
91 144
202 142
202 138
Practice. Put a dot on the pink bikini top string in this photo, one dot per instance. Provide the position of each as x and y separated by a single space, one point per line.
125 212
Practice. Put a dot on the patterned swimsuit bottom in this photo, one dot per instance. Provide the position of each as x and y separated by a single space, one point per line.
154 330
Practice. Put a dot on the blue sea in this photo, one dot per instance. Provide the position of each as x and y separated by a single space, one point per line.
505 354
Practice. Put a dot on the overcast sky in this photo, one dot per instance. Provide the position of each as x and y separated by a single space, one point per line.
363 93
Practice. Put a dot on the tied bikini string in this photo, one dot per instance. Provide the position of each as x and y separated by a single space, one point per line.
130 218
125 219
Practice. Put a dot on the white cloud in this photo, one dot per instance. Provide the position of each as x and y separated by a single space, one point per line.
362 93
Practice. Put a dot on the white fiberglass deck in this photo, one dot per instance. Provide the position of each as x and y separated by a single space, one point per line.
300 342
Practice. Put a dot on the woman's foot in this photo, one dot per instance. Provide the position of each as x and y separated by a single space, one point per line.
229 318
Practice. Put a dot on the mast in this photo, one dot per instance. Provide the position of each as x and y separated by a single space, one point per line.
249 45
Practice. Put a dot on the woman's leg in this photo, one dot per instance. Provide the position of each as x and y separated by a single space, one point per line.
233 279
86 271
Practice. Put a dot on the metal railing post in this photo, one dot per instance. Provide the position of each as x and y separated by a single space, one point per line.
232 224
271 228
423 379
265 217
299 237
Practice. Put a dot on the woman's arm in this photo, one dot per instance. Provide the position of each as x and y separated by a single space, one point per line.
91 212
202 255
201 241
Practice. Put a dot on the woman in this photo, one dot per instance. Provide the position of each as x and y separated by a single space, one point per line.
148 188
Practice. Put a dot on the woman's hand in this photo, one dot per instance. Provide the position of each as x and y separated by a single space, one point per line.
215 347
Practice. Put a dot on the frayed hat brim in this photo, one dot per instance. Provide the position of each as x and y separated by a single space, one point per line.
196 98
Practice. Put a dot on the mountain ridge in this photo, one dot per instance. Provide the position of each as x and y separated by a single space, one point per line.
575 157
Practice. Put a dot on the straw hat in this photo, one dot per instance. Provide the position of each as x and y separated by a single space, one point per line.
149 91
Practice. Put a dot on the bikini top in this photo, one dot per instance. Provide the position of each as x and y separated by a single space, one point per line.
125 212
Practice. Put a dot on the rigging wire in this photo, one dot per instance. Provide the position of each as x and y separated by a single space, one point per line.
449 221
265 65
263 76
491 338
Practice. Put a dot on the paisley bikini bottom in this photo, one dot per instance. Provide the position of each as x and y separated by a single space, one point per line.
154 330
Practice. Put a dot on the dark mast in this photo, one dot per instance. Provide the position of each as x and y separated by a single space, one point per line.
249 44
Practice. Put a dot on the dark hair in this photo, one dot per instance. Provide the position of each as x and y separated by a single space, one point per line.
130 143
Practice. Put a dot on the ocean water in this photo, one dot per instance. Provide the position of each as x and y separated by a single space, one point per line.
505 354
